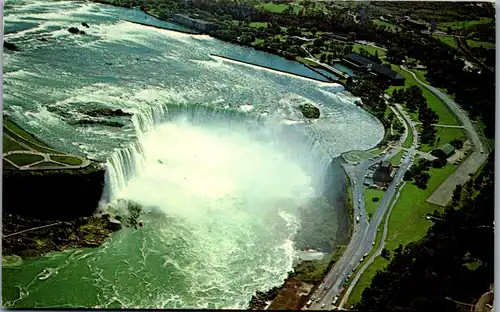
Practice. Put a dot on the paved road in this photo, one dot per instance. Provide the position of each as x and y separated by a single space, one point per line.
377 253
364 232
442 195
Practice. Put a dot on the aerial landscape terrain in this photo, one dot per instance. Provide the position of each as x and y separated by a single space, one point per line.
248 154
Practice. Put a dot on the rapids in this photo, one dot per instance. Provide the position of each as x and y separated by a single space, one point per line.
231 177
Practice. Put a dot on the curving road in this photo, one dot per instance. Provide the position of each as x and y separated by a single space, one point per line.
364 232
442 195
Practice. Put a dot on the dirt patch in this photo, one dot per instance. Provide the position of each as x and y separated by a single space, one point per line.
292 296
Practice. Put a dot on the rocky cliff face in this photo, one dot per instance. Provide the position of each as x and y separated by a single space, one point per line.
53 194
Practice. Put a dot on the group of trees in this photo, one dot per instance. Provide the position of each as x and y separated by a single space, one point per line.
418 173
453 263
415 101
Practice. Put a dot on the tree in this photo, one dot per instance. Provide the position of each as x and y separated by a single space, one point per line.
449 31
386 254
322 58
351 36
457 193
408 176
375 199
421 180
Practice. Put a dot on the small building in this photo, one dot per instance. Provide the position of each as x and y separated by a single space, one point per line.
444 151
195 23
383 174
377 69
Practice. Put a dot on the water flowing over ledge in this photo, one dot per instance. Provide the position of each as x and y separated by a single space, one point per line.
127 163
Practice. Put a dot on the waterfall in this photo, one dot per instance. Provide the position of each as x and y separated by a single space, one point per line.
126 163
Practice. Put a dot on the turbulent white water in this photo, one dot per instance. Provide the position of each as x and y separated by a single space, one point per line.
218 155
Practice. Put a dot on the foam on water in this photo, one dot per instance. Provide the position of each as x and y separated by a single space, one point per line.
217 154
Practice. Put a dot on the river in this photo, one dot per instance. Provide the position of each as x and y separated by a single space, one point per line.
229 172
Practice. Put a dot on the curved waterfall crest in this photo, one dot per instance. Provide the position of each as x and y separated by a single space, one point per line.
126 163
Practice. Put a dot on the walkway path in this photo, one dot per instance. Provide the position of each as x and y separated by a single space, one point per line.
32 229
442 195
46 156
365 231
375 254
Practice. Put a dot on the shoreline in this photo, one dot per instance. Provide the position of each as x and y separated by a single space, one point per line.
95 243
271 68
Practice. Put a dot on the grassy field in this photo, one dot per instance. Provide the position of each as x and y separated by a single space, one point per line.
409 138
370 49
371 206
445 116
10 145
445 135
477 44
463 24
258 42
258 24
67 160
46 165
386 24
23 159
365 280
279 8
7 165
405 224
397 158
447 40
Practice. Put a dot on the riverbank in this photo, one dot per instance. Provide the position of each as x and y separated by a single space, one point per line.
53 235
273 69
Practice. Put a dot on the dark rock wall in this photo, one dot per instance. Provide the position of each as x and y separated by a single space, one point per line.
336 188
53 194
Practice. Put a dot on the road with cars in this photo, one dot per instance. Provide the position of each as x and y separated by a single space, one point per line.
365 231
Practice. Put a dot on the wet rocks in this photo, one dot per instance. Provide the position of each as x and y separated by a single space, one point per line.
81 232
108 112
309 111
85 25
10 46
99 122
261 299
76 31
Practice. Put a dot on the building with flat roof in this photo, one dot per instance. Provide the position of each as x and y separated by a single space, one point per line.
370 66
383 174
443 151
198 24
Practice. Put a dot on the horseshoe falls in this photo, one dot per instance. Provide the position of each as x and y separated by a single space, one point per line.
231 177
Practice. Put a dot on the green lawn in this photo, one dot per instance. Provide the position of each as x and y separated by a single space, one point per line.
9 145
7 165
464 24
386 24
397 158
307 62
365 280
420 73
445 135
45 165
406 223
279 8
447 40
258 24
258 42
477 44
445 116
371 206
67 160
370 49
409 138
23 159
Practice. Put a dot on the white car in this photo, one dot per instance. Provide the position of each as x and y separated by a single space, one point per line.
366 254
323 305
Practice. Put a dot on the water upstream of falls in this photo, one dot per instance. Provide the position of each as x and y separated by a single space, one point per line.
231 176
